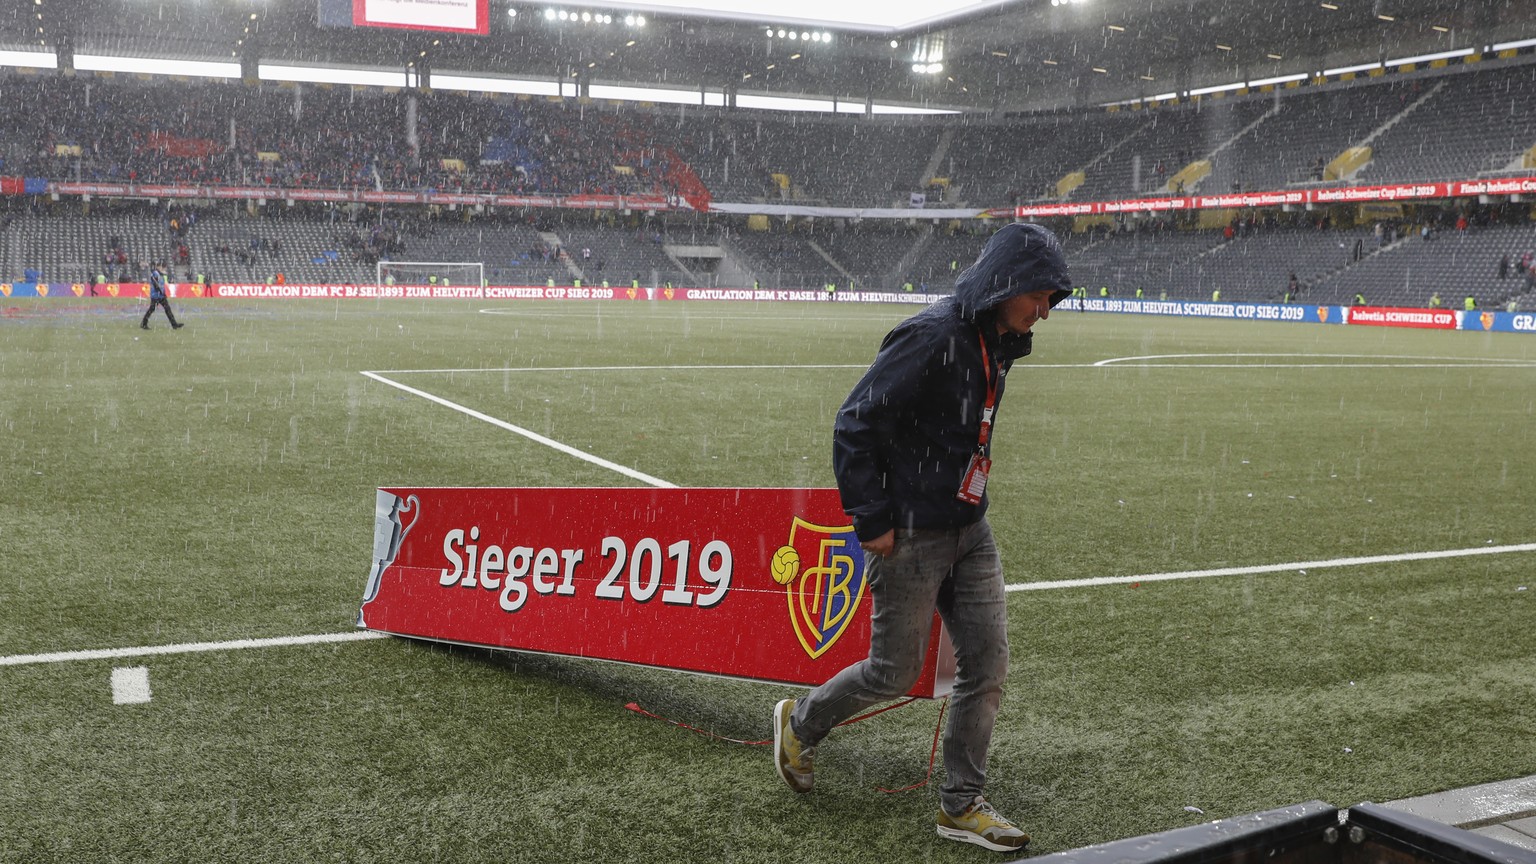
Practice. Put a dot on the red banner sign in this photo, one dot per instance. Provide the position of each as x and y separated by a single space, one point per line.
760 584
1386 316
1395 192
1288 197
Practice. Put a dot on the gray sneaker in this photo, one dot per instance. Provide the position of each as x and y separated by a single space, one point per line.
985 827
793 760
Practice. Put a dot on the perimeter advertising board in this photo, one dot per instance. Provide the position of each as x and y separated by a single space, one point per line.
759 584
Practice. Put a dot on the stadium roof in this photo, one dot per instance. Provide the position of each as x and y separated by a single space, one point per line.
998 56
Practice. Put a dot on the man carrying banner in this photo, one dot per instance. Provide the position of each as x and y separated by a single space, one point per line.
911 451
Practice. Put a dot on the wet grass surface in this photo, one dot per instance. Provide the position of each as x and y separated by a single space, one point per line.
217 483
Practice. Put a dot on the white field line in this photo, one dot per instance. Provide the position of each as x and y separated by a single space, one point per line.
1271 568
1420 362
187 648
364 635
617 368
1131 362
529 434
130 685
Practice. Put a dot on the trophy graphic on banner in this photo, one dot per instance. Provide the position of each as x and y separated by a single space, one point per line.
389 530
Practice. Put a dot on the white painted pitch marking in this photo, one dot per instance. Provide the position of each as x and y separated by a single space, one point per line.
617 368
1271 568
529 434
130 685
365 635
187 648
1420 361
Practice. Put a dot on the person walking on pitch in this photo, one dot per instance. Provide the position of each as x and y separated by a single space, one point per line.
912 452
157 297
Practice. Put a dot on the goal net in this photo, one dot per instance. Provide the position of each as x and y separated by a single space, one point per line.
430 273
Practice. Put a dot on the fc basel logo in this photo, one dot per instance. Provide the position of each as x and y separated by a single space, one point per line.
822 571
1487 320
1322 314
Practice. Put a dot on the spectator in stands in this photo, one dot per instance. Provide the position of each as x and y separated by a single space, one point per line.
1469 304
1504 266
896 433
157 297
1292 287
1359 299
1434 300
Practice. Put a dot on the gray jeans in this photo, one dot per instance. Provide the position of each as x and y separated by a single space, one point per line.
957 571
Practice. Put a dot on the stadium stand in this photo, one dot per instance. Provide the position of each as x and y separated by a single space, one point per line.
1477 124
1464 123
1302 135
945 255
1022 161
622 256
1170 140
782 259
1456 264
1148 259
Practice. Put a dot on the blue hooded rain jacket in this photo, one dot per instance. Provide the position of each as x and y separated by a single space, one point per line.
904 437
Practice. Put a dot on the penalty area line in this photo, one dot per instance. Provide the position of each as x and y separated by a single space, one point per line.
1271 568
187 648
529 434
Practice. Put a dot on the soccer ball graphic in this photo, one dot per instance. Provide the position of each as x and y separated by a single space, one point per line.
786 565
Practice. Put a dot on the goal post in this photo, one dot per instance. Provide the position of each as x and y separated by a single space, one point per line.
430 273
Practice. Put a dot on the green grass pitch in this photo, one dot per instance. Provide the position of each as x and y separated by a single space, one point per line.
217 483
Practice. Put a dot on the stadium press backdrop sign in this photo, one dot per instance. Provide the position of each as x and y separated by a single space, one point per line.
761 584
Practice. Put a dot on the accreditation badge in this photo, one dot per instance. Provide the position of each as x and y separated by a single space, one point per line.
975 483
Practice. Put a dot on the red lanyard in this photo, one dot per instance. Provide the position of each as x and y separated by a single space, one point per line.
990 405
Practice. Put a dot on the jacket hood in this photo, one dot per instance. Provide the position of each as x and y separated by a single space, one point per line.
1019 259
